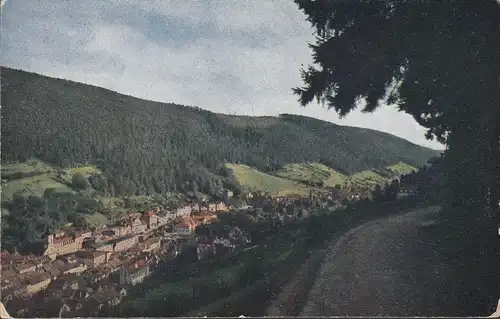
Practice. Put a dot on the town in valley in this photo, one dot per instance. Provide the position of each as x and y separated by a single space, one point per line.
85 272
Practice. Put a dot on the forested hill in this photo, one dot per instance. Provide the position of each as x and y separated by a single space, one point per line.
148 147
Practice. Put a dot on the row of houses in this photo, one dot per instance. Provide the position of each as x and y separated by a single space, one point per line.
64 242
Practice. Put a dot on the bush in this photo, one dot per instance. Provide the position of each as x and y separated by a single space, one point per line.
79 182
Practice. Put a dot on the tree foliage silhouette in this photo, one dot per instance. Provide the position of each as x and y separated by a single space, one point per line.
438 61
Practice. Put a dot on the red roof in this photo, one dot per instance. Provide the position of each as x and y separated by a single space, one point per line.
149 213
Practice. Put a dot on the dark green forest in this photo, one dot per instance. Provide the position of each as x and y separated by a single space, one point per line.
146 147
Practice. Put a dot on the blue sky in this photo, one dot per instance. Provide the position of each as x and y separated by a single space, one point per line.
235 57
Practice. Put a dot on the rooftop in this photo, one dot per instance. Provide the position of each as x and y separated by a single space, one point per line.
183 224
137 266
117 240
151 241
55 272
149 213
91 254
25 266
33 280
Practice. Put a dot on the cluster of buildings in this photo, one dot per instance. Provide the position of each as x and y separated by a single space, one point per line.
129 231
208 247
83 261
189 224
81 272
75 284
30 277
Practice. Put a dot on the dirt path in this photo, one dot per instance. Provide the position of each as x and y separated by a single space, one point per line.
387 267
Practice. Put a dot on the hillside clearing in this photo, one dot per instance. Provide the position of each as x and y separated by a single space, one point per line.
32 186
83 170
32 166
368 178
95 220
33 177
314 173
401 168
253 180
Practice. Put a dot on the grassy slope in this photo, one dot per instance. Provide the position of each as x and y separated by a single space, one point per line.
401 168
367 178
18 178
251 179
31 166
315 172
284 182
34 177
312 172
32 186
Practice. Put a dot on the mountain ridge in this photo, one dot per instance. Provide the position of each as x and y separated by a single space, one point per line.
145 147
196 107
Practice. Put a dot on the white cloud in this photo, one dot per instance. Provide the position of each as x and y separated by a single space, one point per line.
238 57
